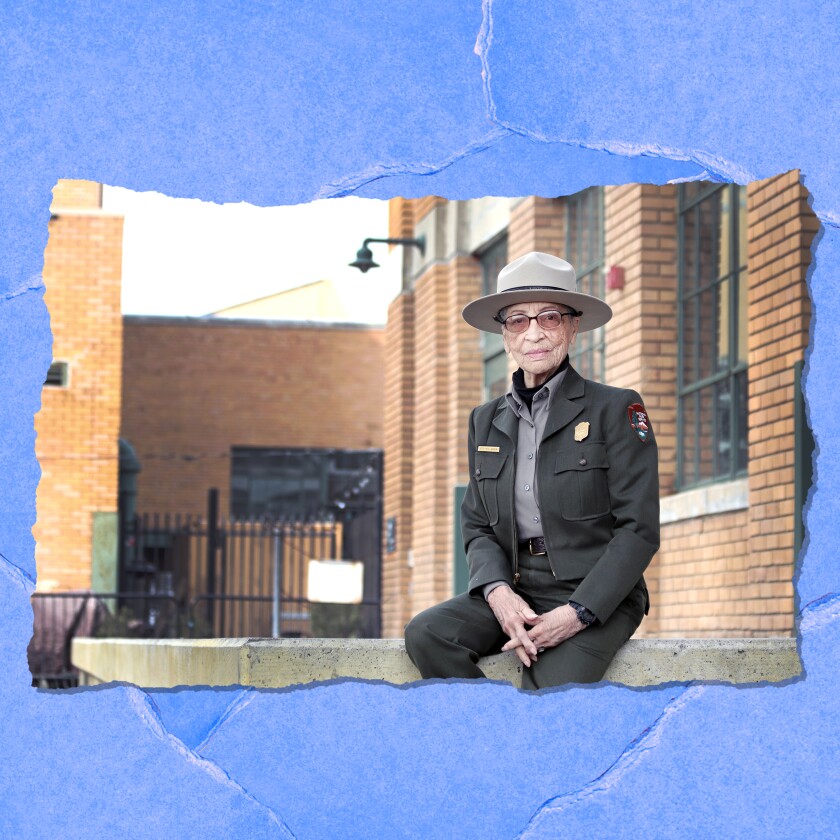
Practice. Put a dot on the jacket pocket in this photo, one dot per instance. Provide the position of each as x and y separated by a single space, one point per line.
488 466
582 484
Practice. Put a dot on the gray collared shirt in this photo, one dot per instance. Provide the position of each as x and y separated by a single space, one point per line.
531 428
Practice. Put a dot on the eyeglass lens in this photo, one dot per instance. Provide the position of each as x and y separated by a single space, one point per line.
551 319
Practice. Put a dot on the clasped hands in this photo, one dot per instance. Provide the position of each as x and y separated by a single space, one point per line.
547 630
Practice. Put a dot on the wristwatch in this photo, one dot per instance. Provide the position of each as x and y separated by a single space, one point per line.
584 615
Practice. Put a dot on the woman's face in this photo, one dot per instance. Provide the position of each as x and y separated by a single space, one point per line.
538 351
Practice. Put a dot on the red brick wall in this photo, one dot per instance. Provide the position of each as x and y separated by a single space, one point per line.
398 434
435 379
400 219
78 426
77 194
724 574
537 224
194 388
782 227
431 492
421 207
731 574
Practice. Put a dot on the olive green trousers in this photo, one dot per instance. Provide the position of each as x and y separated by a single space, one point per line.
447 640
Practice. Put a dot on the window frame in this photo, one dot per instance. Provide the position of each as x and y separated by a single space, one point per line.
492 254
592 344
735 373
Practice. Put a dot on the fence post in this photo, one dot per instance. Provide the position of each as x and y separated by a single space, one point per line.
212 539
277 579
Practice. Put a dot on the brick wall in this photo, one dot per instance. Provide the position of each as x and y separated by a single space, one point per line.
421 207
77 194
641 338
436 379
730 574
431 491
782 227
398 484
78 426
537 224
194 388
696 575
400 219
722 574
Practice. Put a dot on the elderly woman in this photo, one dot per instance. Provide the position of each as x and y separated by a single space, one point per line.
561 516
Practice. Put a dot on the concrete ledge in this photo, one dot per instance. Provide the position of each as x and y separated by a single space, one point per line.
275 663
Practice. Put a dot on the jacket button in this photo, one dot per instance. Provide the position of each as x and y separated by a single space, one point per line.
582 462
477 472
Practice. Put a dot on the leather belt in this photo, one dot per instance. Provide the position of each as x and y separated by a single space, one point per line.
535 546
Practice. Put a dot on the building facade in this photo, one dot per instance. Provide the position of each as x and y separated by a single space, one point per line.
711 322
212 402
262 403
78 424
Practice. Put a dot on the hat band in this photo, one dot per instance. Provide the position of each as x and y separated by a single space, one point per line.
537 289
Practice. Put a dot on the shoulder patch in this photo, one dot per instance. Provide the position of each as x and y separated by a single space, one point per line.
639 420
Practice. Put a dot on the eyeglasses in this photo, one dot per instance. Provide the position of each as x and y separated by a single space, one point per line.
548 319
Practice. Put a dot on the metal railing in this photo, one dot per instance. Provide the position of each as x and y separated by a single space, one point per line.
61 616
210 577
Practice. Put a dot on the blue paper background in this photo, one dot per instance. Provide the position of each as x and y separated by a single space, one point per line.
271 103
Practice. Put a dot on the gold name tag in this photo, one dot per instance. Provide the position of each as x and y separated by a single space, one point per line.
488 448
581 431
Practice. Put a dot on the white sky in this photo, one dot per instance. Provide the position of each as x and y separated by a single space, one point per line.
188 257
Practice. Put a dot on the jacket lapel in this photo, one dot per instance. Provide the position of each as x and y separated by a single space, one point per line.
563 410
506 421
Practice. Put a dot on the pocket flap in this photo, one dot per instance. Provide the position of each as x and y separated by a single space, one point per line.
488 464
590 456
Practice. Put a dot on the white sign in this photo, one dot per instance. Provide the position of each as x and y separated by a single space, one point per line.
335 581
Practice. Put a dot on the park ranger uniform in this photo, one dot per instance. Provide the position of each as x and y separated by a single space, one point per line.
580 470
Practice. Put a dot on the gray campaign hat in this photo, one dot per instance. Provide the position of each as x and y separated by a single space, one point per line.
533 278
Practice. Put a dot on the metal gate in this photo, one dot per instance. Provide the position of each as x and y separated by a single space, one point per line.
248 578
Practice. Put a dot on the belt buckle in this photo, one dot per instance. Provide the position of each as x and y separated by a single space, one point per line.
536 553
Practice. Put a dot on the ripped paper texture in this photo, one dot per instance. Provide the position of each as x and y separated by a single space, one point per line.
282 103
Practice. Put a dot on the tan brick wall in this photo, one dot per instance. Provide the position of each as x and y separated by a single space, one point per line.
698 568
466 386
398 484
727 574
537 224
195 388
466 367
731 574
77 194
640 236
782 227
447 384
641 339
430 502
400 219
78 426
421 207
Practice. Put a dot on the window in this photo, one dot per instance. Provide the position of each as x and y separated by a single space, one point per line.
712 324
496 379
585 251
296 482
58 375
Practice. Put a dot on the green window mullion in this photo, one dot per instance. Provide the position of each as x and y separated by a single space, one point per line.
701 394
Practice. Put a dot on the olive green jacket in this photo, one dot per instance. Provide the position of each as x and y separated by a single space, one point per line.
598 497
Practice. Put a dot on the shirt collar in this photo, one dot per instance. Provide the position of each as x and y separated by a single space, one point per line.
547 392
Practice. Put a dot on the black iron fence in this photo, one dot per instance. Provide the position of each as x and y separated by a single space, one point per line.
237 578
61 616
208 577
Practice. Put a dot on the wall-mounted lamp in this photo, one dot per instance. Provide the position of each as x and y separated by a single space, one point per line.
615 278
364 256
